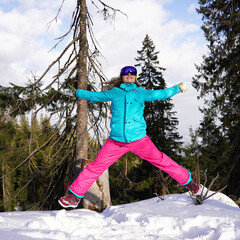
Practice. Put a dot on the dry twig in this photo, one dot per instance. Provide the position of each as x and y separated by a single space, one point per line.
199 199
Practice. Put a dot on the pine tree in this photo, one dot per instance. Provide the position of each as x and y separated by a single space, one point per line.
159 115
8 132
218 83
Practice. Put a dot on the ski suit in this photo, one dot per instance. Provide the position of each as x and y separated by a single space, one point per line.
128 133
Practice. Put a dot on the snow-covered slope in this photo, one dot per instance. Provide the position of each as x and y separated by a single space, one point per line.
173 218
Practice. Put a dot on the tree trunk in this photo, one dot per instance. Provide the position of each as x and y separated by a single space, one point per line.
82 107
98 196
198 176
6 187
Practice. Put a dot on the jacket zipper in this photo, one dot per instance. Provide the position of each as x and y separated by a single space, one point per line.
125 114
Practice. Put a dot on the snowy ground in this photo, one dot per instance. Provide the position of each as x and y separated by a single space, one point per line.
173 218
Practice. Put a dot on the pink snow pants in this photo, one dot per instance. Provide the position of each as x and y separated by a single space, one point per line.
113 150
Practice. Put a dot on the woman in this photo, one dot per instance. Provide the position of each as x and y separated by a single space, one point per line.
128 133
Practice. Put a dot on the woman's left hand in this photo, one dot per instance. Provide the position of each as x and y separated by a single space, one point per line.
184 87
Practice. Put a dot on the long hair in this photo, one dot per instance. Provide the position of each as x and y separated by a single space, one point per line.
116 82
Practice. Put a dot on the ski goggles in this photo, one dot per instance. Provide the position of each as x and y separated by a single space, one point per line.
128 69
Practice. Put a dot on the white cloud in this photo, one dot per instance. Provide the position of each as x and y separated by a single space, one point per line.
25 42
177 41
24 47
192 8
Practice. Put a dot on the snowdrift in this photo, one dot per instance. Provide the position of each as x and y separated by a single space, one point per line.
175 217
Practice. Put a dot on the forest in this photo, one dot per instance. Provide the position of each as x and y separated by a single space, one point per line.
47 135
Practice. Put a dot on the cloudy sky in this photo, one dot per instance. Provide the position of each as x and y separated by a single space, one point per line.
173 25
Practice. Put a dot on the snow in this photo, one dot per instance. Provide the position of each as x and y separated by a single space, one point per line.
174 218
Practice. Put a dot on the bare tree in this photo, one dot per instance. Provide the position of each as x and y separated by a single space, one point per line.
78 70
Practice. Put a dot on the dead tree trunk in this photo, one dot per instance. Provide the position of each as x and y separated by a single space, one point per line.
82 108
98 195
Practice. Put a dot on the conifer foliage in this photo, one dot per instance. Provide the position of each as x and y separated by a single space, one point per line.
31 180
159 115
218 83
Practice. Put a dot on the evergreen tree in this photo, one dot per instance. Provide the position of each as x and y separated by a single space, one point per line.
8 132
159 115
218 82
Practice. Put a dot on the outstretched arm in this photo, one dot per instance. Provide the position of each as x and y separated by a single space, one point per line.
103 96
162 94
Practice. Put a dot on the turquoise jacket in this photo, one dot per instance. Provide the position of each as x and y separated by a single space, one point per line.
127 106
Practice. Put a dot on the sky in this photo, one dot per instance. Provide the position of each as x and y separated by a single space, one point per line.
174 218
26 38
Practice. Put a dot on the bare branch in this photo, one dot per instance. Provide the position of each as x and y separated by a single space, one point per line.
199 199
106 7
55 18
36 150
53 63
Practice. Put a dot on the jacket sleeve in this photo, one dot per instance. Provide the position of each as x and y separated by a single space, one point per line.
102 96
161 94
